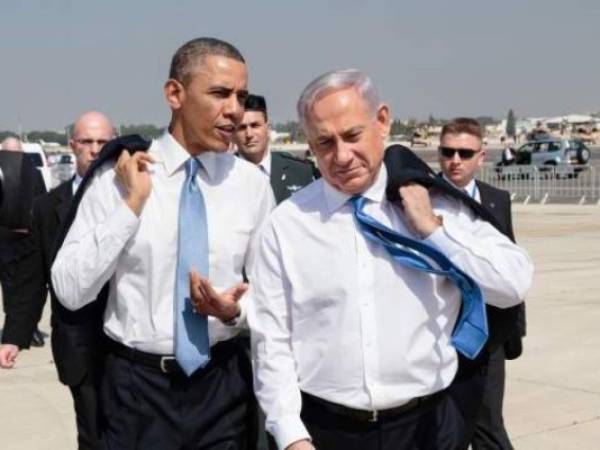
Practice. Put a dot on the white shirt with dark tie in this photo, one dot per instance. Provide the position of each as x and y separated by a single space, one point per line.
335 317
107 241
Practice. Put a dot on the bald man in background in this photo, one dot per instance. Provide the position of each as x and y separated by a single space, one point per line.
76 336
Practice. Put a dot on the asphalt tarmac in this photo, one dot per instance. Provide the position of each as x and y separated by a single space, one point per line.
553 391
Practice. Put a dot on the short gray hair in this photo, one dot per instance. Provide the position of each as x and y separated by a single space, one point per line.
193 52
335 81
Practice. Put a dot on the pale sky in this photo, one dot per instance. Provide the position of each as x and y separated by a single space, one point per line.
448 58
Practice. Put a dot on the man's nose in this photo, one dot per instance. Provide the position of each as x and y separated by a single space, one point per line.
233 108
343 153
95 149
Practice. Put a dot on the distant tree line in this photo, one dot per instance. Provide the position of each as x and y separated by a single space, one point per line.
149 131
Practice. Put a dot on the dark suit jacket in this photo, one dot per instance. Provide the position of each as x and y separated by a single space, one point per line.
506 325
21 184
289 174
76 336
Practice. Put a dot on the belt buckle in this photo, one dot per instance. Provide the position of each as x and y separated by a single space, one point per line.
163 360
374 417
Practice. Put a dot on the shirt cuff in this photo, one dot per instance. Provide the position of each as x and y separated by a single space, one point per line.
239 321
287 430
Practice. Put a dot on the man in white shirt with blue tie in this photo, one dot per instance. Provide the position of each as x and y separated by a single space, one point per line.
184 213
352 350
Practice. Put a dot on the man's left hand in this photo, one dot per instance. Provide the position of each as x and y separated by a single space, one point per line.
418 211
209 302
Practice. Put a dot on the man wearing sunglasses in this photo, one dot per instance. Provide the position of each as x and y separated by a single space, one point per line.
461 154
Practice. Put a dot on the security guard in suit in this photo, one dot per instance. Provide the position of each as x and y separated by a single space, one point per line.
286 173
460 156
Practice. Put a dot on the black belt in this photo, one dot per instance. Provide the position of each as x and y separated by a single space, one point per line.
361 415
164 363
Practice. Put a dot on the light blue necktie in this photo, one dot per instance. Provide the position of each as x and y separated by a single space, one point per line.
192 349
471 330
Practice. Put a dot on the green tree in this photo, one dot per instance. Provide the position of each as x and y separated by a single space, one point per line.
147 131
511 124
486 120
293 127
5 134
47 136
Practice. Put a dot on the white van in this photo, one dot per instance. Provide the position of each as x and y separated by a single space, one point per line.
38 157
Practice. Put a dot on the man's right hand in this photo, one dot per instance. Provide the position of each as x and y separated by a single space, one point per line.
305 444
8 355
132 173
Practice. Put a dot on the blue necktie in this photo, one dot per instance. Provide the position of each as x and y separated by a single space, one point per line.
471 330
192 349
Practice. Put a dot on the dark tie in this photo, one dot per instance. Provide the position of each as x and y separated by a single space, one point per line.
191 329
471 331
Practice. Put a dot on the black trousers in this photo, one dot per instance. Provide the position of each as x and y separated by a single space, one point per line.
214 409
490 433
436 424
86 404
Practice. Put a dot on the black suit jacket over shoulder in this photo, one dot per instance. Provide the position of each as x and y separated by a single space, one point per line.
77 338
507 326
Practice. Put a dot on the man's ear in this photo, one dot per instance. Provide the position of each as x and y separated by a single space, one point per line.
383 119
174 93
481 159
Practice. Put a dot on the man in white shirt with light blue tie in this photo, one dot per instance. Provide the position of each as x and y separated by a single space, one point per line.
352 350
184 213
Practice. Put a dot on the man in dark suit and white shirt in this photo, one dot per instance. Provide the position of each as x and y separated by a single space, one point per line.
460 156
76 338
286 173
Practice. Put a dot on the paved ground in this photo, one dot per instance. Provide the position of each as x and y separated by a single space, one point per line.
553 391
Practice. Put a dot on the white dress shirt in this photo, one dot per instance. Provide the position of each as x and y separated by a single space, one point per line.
470 189
108 241
335 317
264 165
75 183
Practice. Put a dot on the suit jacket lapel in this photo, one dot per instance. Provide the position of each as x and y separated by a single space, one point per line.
278 168
64 196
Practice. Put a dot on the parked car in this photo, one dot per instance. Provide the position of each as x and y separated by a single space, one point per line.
64 168
567 156
35 152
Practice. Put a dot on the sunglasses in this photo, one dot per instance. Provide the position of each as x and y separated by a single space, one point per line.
463 153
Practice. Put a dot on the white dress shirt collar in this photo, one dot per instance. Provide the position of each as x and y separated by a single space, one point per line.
470 189
265 164
376 192
172 154
75 183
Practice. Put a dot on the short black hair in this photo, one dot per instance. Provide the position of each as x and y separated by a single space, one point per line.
256 103
192 52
